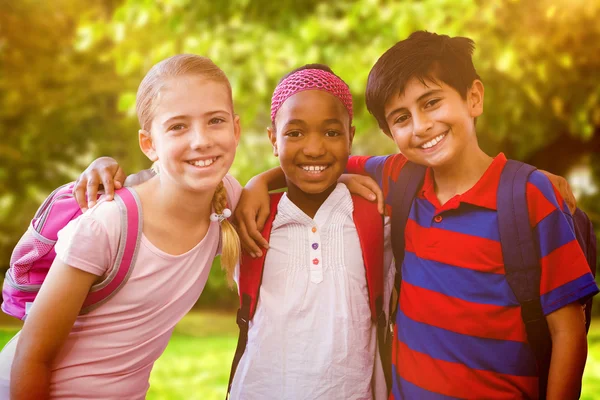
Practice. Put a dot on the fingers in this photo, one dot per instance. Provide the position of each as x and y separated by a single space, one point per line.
119 178
108 183
570 197
92 189
261 218
79 193
255 228
248 243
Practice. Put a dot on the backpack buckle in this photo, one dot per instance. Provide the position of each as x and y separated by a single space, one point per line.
241 319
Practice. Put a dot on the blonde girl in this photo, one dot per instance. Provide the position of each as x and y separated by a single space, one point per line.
189 130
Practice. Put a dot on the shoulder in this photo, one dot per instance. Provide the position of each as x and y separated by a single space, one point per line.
542 198
90 241
233 189
378 165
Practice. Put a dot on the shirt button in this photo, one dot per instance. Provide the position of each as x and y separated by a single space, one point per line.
316 261
315 246
438 218
314 229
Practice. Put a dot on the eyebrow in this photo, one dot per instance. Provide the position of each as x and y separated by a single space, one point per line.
333 121
421 97
185 116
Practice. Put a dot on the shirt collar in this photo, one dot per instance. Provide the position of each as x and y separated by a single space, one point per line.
338 201
482 194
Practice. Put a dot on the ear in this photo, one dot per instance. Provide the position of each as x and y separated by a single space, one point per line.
475 98
351 138
147 145
273 138
237 129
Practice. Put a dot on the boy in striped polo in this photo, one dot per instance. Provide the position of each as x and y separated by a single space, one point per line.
459 332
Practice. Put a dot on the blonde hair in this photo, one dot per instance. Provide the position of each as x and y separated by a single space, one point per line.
145 105
230 241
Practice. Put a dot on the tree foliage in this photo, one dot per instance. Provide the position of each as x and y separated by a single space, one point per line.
70 69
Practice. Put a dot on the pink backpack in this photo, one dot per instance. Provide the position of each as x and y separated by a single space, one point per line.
32 257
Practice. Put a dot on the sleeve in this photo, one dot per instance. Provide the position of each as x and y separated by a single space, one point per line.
233 189
566 276
90 242
383 169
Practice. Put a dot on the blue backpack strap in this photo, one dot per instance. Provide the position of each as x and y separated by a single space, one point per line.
406 186
586 237
521 261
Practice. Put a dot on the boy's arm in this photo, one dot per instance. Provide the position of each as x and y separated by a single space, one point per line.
569 352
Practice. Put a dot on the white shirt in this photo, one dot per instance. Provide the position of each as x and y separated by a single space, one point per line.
312 336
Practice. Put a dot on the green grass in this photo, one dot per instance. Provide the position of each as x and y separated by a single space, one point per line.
197 360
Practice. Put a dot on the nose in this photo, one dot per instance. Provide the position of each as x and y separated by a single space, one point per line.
314 146
421 123
201 139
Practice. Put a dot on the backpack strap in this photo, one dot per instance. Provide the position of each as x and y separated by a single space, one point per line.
408 183
250 278
371 237
586 237
131 229
521 261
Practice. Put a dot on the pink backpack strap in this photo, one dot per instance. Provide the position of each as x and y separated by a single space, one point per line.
131 233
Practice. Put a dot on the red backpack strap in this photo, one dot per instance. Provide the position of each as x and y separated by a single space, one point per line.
250 278
369 225
129 242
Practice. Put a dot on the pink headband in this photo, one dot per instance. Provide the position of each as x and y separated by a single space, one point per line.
310 79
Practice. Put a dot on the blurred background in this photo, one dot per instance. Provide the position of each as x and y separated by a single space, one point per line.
69 71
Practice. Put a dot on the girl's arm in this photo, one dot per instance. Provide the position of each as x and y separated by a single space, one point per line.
569 351
46 328
254 206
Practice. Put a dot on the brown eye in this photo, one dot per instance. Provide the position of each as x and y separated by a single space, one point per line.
177 127
216 121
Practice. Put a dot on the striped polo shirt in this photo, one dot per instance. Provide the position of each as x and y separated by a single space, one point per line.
459 332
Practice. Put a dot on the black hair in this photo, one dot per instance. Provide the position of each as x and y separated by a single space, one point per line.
423 55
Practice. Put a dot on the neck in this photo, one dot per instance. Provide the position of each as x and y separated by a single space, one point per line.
461 175
309 203
176 204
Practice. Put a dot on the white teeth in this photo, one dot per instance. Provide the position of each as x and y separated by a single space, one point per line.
314 169
203 163
433 141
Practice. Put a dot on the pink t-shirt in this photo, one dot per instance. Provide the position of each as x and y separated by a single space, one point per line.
110 351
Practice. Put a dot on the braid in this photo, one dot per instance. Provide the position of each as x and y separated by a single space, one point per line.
230 241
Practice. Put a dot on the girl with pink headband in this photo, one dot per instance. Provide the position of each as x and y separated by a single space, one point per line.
311 331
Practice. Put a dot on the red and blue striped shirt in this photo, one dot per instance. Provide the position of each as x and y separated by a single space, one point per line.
459 332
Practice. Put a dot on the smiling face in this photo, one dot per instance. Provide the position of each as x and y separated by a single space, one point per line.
312 138
194 133
432 124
